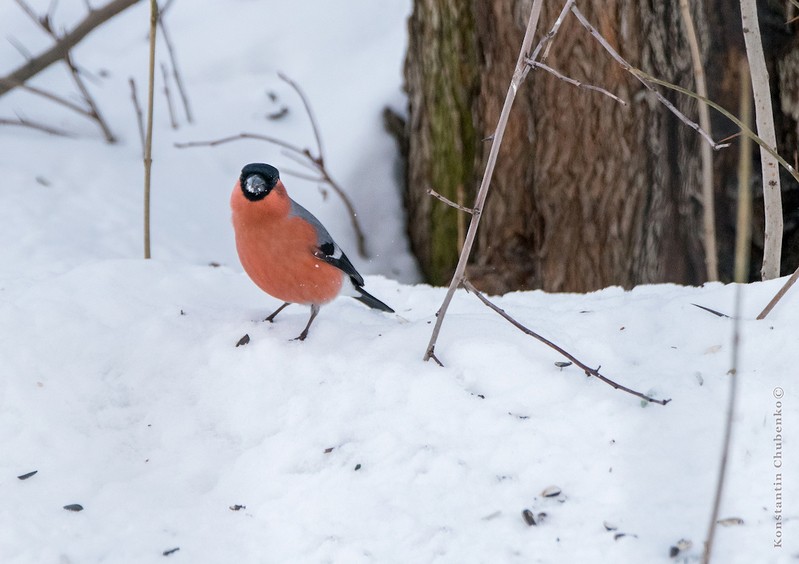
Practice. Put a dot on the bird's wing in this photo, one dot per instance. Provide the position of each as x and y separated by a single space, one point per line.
327 249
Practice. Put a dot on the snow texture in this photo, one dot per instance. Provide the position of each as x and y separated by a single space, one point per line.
123 388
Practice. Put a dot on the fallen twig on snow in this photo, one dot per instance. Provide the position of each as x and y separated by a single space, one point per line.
587 369
778 296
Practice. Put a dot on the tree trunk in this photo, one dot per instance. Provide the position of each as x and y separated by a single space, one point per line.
586 193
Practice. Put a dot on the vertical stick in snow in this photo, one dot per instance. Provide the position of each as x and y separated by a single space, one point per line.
708 200
764 117
518 75
148 142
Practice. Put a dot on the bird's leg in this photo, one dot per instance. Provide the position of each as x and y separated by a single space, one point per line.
271 318
314 312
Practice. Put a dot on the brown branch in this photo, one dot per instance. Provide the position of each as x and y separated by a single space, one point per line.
23 122
708 199
94 110
778 296
175 73
57 99
58 51
239 137
588 370
308 110
743 241
139 114
638 75
170 108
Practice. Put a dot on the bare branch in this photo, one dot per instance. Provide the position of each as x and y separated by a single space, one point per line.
628 67
57 99
175 73
308 110
62 47
168 96
546 41
239 137
778 296
518 75
139 113
450 202
742 243
708 200
574 82
588 370
23 122
94 110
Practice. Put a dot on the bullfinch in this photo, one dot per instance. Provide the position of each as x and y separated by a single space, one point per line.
286 251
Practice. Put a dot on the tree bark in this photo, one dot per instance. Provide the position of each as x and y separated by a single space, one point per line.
586 193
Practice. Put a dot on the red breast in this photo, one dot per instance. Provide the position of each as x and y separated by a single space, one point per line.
277 249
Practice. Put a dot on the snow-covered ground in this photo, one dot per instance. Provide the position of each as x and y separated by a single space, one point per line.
122 387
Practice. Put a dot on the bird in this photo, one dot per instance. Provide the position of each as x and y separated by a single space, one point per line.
286 251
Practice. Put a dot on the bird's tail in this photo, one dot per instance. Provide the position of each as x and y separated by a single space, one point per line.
371 301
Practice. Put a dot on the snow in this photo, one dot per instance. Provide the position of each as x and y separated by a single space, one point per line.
123 387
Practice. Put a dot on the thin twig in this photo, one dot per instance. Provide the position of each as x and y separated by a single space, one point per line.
24 122
309 111
139 113
94 109
546 41
518 75
588 370
574 82
778 296
93 112
57 99
168 95
173 59
708 200
450 202
55 53
729 115
628 67
742 244
148 141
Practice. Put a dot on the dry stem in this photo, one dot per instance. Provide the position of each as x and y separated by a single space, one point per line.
708 200
139 114
175 73
629 68
148 141
742 243
518 75
588 370
778 296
